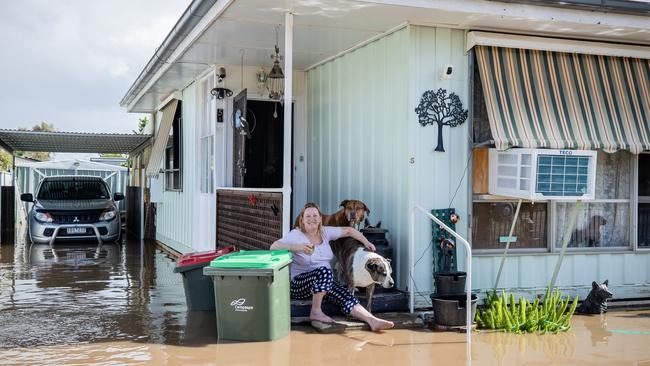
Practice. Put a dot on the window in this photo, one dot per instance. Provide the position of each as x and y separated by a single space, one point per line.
604 221
491 221
207 116
644 201
173 155
601 223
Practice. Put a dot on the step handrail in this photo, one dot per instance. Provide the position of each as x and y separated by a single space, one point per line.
468 248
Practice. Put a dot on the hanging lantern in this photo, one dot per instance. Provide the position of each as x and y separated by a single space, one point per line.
276 77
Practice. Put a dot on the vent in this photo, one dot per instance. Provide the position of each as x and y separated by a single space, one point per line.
543 174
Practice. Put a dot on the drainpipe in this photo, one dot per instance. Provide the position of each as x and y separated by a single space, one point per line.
288 110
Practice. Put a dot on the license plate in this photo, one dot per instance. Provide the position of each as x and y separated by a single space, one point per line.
76 255
76 230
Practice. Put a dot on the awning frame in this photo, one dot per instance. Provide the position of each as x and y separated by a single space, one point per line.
71 142
162 136
506 40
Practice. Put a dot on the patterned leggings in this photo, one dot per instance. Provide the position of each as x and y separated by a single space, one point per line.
321 279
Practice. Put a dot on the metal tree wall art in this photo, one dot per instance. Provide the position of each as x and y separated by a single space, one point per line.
445 110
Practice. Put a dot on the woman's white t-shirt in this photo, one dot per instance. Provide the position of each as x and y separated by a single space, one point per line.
322 255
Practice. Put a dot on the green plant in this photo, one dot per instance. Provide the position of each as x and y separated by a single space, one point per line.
553 314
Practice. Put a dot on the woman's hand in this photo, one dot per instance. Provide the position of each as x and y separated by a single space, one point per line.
370 246
356 234
306 248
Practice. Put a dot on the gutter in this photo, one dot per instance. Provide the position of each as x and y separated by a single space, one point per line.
190 18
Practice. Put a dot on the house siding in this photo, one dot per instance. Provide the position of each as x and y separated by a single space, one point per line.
436 177
357 134
175 215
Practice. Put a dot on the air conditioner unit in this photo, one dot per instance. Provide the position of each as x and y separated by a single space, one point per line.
543 174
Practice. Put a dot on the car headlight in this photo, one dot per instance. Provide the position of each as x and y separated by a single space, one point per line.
107 215
43 216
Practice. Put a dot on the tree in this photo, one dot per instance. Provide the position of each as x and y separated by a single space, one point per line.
142 123
6 161
40 156
437 107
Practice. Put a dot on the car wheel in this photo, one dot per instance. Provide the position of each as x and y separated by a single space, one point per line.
119 237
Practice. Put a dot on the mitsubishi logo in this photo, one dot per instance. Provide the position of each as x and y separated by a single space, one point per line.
76 219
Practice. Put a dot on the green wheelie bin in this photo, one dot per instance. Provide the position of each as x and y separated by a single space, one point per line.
251 290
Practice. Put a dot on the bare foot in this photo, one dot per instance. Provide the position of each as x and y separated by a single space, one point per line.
320 316
377 324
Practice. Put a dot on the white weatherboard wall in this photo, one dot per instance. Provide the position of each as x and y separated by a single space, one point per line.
175 215
363 131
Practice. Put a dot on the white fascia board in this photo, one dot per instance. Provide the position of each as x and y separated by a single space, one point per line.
524 11
210 17
477 38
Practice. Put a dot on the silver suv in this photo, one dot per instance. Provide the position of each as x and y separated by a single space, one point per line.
73 208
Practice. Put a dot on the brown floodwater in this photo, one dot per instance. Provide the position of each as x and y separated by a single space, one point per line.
121 304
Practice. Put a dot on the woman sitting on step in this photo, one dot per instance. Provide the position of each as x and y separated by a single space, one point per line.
311 273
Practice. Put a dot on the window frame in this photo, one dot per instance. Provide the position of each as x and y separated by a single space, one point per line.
635 205
206 133
176 143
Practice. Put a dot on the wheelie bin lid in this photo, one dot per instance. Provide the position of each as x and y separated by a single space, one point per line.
190 261
270 259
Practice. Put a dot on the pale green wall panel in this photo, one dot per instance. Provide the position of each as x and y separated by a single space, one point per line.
357 128
628 273
436 177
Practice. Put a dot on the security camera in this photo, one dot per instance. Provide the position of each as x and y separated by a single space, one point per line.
447 71
221 74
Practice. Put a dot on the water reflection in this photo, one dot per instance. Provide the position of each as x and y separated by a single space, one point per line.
84 292
122 304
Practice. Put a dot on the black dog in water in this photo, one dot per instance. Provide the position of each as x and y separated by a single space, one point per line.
596 301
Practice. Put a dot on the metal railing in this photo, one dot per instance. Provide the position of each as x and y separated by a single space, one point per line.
468 264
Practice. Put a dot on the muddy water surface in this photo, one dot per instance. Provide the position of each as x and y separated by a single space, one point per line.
121 304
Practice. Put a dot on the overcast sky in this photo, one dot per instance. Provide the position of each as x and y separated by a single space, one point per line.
70 62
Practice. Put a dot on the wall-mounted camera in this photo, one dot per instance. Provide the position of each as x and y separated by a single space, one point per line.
446 72
221 74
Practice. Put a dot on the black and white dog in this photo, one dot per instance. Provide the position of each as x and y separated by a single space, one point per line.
358 267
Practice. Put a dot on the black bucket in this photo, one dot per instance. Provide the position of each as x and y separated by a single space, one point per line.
450 310
450 283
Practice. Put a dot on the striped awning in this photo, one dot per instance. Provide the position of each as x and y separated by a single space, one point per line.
160 143
545 99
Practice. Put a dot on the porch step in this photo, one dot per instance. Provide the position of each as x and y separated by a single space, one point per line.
382 302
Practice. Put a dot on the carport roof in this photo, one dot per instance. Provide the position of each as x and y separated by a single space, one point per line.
73 142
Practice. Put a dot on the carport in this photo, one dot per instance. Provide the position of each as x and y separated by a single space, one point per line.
68 142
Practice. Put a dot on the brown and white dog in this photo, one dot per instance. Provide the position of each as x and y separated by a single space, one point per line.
351 214
358 267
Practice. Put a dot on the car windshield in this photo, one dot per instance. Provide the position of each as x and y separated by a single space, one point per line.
73 190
